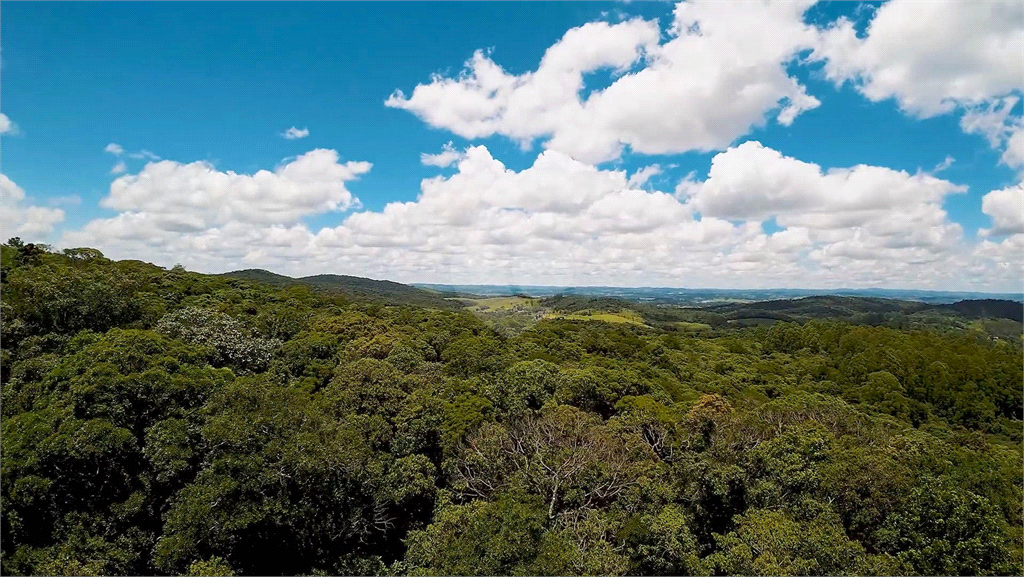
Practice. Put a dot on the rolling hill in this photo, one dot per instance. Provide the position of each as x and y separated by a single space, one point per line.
987 308
384 291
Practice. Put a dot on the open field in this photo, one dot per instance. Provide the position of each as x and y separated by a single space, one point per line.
492 304
624 316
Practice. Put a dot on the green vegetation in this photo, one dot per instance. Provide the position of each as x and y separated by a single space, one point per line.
165 422
622 316
492 304
383 291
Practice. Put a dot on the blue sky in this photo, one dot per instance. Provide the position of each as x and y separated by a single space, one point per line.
220 83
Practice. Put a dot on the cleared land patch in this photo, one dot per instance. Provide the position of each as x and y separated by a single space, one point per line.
493 304
624 316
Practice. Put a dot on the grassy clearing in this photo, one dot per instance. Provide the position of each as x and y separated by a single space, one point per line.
618 317
498 303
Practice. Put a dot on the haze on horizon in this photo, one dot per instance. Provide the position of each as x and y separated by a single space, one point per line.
785 145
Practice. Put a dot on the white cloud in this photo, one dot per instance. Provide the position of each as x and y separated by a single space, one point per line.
186 197
1006 208
10 192
946 163
992 120
854 218
1002 129
119 168
6 126
144 154
936 57
1013 156
447 157
20 219
931 56
562 221
295 133
719 74
641 176
752 182
118 150
999 263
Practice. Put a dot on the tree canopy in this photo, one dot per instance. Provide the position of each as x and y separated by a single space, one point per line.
160 421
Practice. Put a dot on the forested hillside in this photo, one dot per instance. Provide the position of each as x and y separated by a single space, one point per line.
383 291
163 421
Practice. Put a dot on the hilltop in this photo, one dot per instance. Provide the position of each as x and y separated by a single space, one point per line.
383 291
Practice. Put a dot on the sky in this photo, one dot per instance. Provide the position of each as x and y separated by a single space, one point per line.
700 144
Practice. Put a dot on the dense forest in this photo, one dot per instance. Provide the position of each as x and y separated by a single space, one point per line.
161 421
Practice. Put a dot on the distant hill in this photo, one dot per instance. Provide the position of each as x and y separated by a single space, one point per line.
830 306
384 291
854 309
840 307
700 297
263 276
987 308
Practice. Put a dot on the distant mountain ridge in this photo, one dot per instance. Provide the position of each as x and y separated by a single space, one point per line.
988 308
781 304
837 306
385 291
698 296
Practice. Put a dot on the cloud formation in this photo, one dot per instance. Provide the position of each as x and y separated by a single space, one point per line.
143 154
931 57
1006 209
722 71
6 126
937 57
560 221
18 218
295 133
717 76
447 157
177 197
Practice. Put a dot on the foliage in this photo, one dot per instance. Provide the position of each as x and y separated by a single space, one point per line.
165 422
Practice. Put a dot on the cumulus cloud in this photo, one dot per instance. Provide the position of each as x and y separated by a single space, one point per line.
114 148
931 56
1000 127
187 197
999 262
561 221
1006 209
753 182
718 75
936 57
18 218
722 71
854 220
295 133
447 157
1013 156
119 168
6 126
